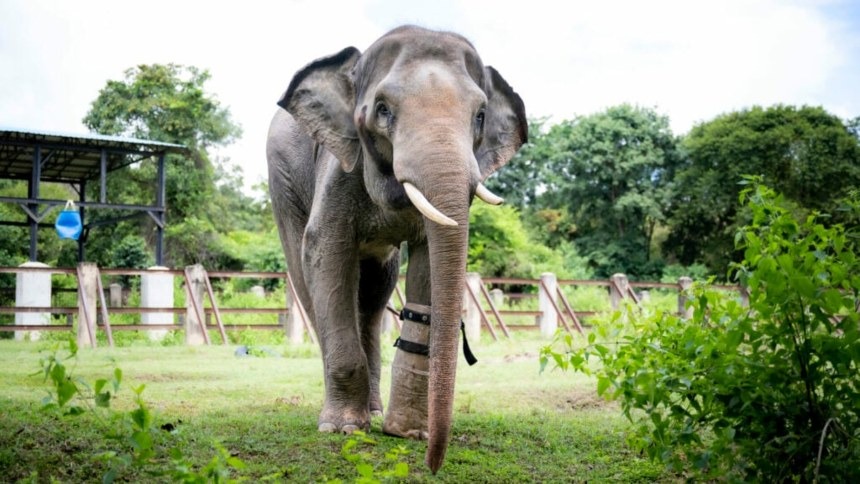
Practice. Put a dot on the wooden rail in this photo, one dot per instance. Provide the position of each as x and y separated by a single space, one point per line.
559 304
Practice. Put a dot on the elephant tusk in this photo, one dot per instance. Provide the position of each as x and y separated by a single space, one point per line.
425 207
487 196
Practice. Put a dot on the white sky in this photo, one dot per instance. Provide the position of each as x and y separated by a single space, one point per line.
688 59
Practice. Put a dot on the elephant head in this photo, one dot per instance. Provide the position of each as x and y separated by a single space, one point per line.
426 122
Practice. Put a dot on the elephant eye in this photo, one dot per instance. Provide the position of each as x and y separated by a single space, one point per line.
383 115
479 119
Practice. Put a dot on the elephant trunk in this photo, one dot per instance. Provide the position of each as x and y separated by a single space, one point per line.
447 247
439 163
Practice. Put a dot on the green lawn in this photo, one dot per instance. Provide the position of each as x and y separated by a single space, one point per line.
511 423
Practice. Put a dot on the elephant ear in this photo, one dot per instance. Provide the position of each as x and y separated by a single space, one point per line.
321 97
505 125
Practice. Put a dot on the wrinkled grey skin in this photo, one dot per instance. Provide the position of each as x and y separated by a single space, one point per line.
419 107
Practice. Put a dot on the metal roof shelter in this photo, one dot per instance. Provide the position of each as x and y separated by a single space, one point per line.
41 156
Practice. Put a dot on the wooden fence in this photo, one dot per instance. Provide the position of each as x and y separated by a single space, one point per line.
484 309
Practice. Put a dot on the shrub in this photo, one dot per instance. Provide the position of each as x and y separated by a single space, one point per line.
765 392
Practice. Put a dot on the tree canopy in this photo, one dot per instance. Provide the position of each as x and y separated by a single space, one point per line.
807 154
205 200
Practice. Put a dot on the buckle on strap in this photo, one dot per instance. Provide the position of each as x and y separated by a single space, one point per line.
414 316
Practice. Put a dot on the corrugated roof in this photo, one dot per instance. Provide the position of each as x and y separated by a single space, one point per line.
71 158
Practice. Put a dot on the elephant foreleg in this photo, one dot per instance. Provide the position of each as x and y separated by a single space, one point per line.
332 277
407 408
377 281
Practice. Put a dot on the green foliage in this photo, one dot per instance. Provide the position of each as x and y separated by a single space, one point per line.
134 430
369 468
806 154
600 181
196 241
130 253
205 200
768 391
165 103
673 272
500 246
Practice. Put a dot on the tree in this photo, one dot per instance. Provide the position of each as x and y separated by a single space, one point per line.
805 153
611 171
169 103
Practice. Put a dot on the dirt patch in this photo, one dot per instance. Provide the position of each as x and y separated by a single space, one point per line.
520 357
583 400
157 377
293 401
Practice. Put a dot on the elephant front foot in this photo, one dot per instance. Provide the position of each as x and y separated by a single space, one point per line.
345 421
407 408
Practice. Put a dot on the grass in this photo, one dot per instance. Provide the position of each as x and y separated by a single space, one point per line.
511 423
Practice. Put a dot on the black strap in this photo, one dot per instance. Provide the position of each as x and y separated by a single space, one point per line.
414 316
467 352
410 347
420 349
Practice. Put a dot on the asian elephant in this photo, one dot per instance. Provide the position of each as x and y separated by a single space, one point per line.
371 150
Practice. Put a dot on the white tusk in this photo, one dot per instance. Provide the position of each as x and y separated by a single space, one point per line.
425 207
487 196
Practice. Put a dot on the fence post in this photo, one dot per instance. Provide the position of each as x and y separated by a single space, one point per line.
196 285
294 327
472 319
684 285
156 291
87 274
617 290
546 295
115 295
32 289
498 297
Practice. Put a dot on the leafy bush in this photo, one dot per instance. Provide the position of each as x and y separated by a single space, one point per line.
500 246
765 392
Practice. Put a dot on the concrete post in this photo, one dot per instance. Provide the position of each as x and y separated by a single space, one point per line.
546 296
472 319
88 286
115 295
684 285
618 290
156 291
196 287
644 296
258 291
498 297
294 328
32 289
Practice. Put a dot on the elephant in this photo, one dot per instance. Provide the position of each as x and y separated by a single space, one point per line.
371 150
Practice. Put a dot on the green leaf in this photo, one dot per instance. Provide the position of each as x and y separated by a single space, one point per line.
401 470
602 385
66 390
103 400
364 470
142 440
